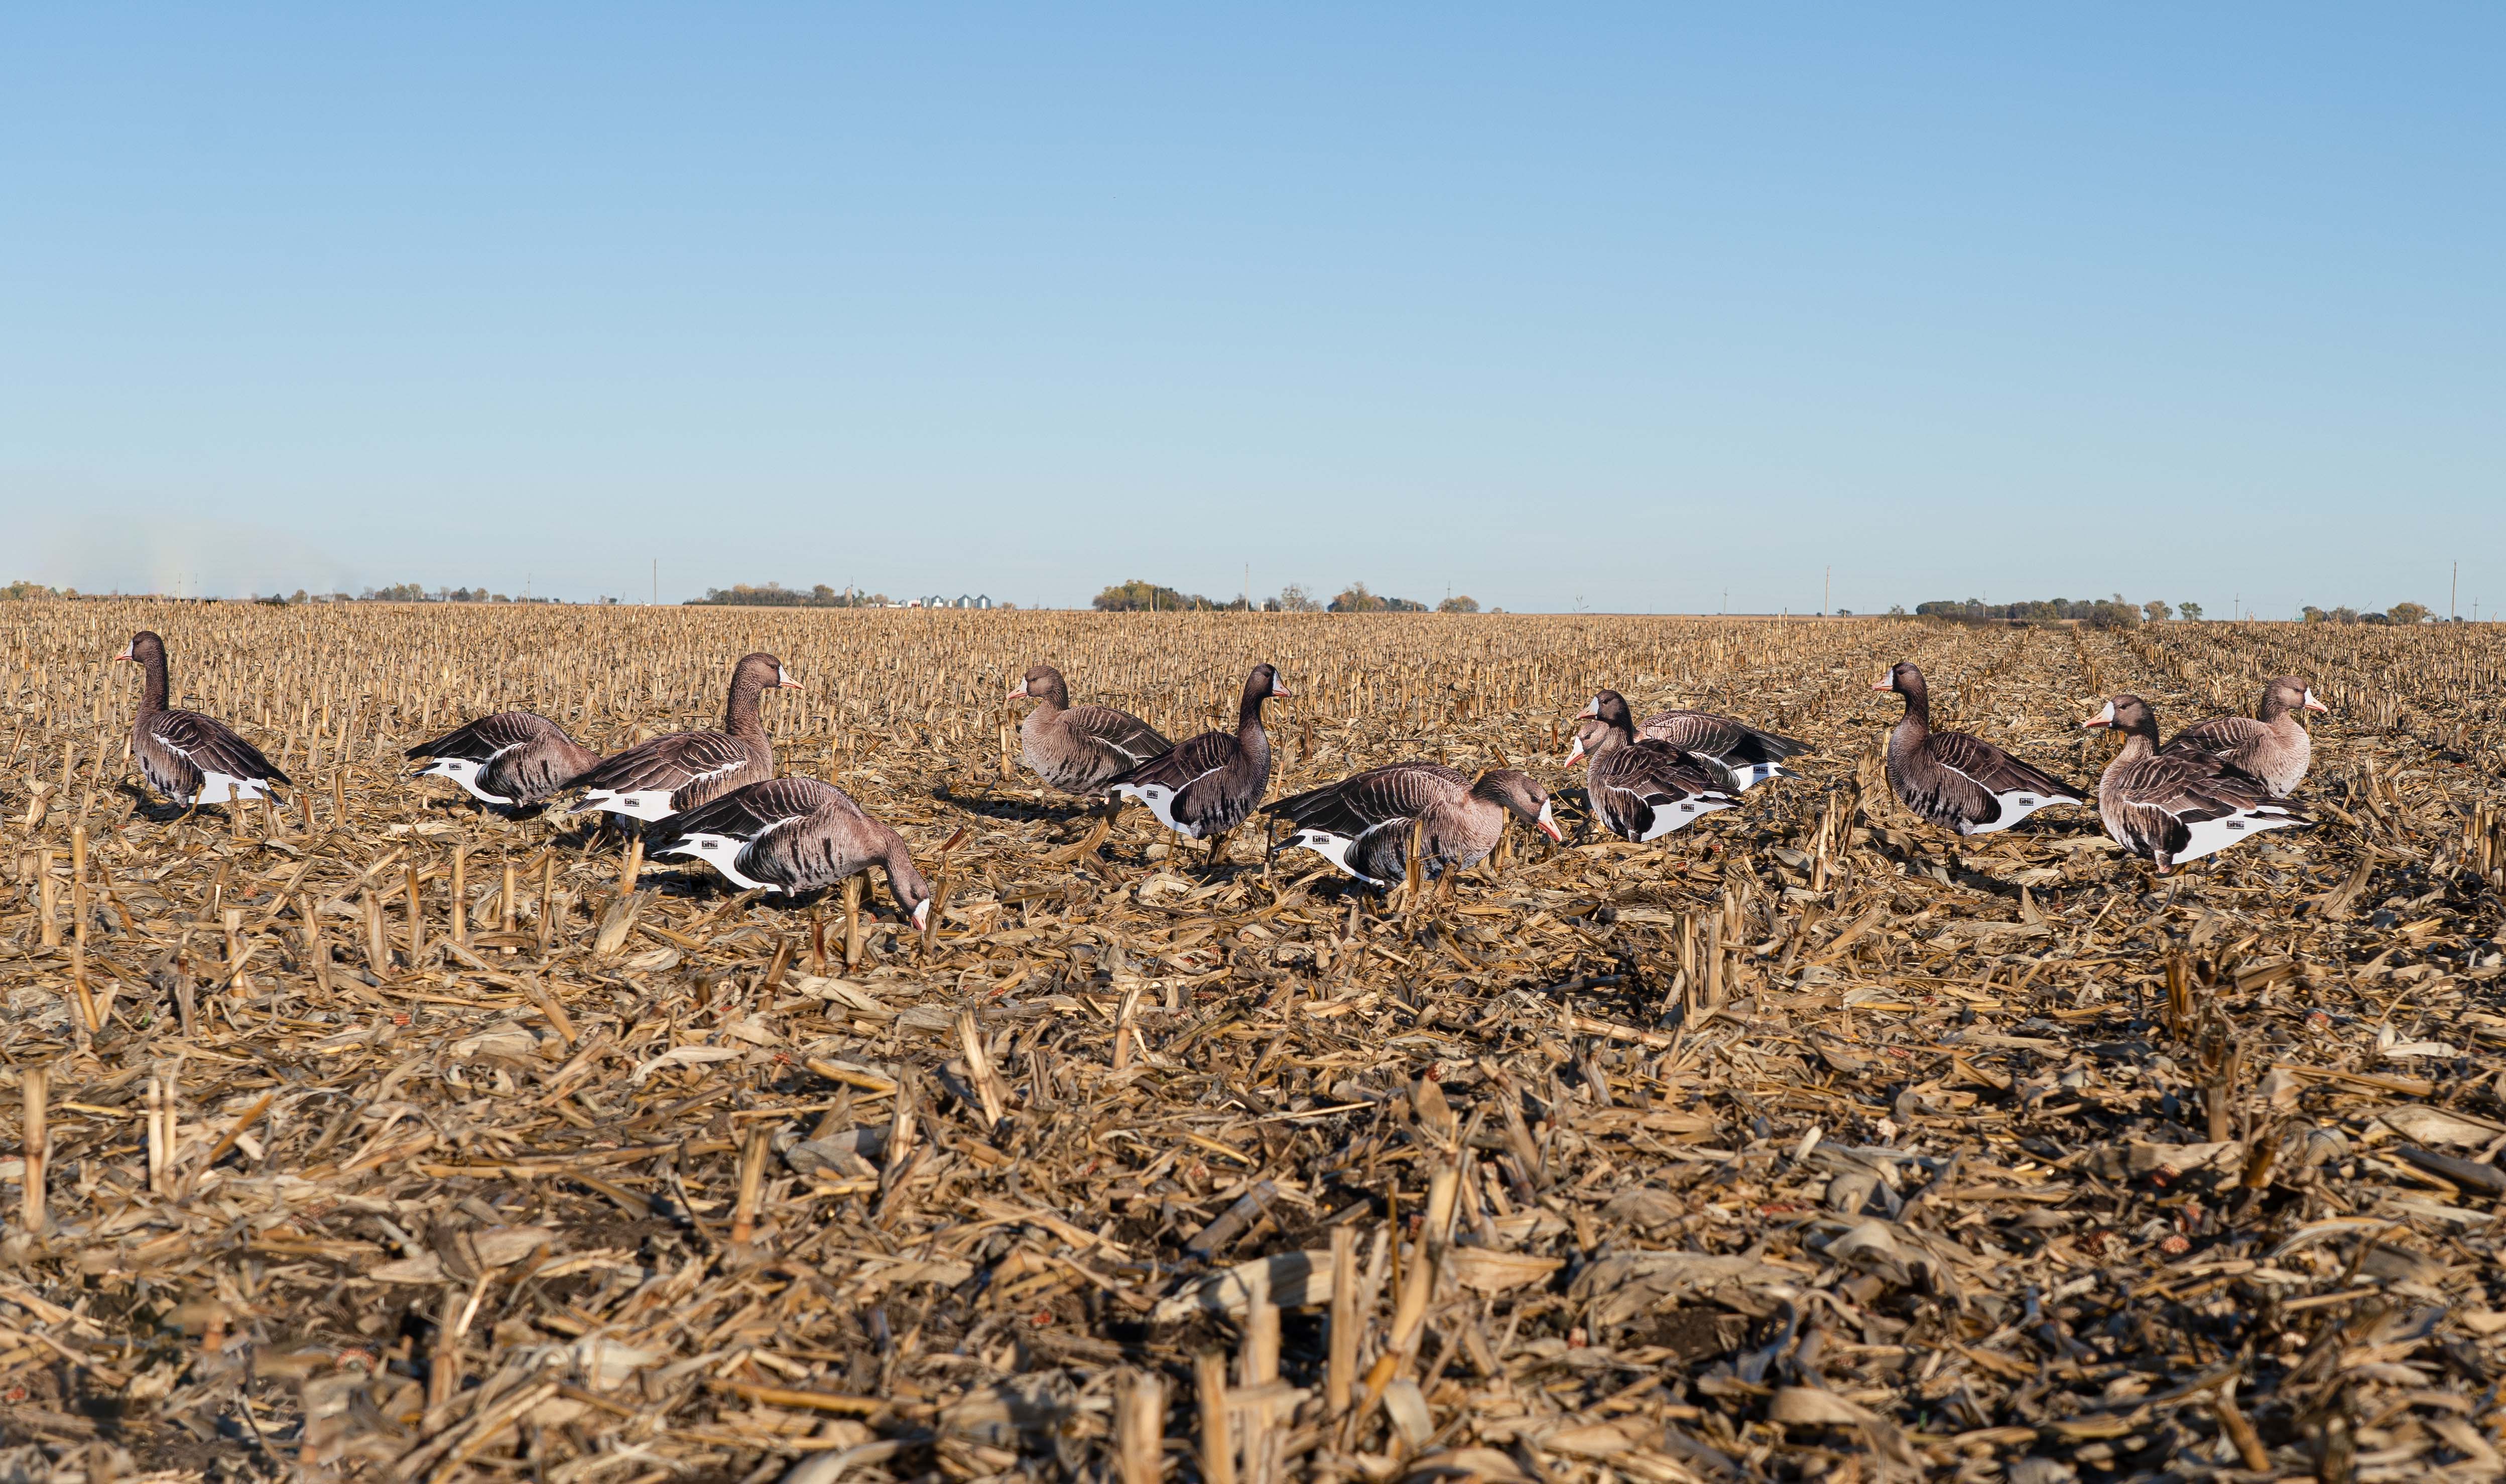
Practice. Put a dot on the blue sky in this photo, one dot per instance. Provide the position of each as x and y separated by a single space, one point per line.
1618 306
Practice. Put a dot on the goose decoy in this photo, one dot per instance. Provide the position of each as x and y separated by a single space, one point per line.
1208 785
1957 781
1641 789
793 836
2270 744
2177 807
189 758
1080 749
513 759
658 779
1362 824
1747 754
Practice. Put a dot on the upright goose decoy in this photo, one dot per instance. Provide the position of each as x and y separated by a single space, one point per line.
189 758
512 759
2270 744
2177 807
657 779
1747 754
1209 785
1957 781
794 835
1362 824
1080 749
1638 788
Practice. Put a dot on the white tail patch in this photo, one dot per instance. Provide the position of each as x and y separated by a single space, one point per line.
1669 818
639 803
1334 849
463 772
227 789
722 852
2211 836
2016 806
1749 775
1161 801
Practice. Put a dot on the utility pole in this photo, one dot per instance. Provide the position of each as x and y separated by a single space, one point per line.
2453 595
1826 587
657 582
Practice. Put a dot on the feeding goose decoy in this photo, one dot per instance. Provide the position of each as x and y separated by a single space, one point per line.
2270 744
1080 749
1957 781
794 835
657 779
189 758
1362 824
1638 788
1747 754
2177 807
512 759
1209 785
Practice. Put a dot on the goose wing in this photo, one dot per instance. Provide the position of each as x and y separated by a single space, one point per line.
1362 801
2220 735
1631 787
1725 738
483 739
205 745
746 814
1185 764
669 763
1994 771
1119 734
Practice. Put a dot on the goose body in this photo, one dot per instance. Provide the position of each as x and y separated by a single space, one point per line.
2270 744
1639 788
667 775
1748 755
2173 806
512 759
793 836
1956 781
1209 785
190 758
1080 749
1362 824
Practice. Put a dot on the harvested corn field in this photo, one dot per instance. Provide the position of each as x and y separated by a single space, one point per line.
377 1135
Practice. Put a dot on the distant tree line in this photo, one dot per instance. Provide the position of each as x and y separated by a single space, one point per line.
775 594
2115 612
1137 596
2398 613
413 593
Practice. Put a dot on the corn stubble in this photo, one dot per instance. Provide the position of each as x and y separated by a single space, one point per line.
377 1135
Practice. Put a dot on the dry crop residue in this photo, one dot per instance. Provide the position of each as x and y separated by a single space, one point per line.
1796 1146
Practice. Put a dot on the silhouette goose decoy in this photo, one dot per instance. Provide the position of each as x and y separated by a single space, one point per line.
2270 744
512 759
794 836
2173 807
1641 789
1363 823
1209 785
1080 749
657 779
190 758
1957 781
1748 755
